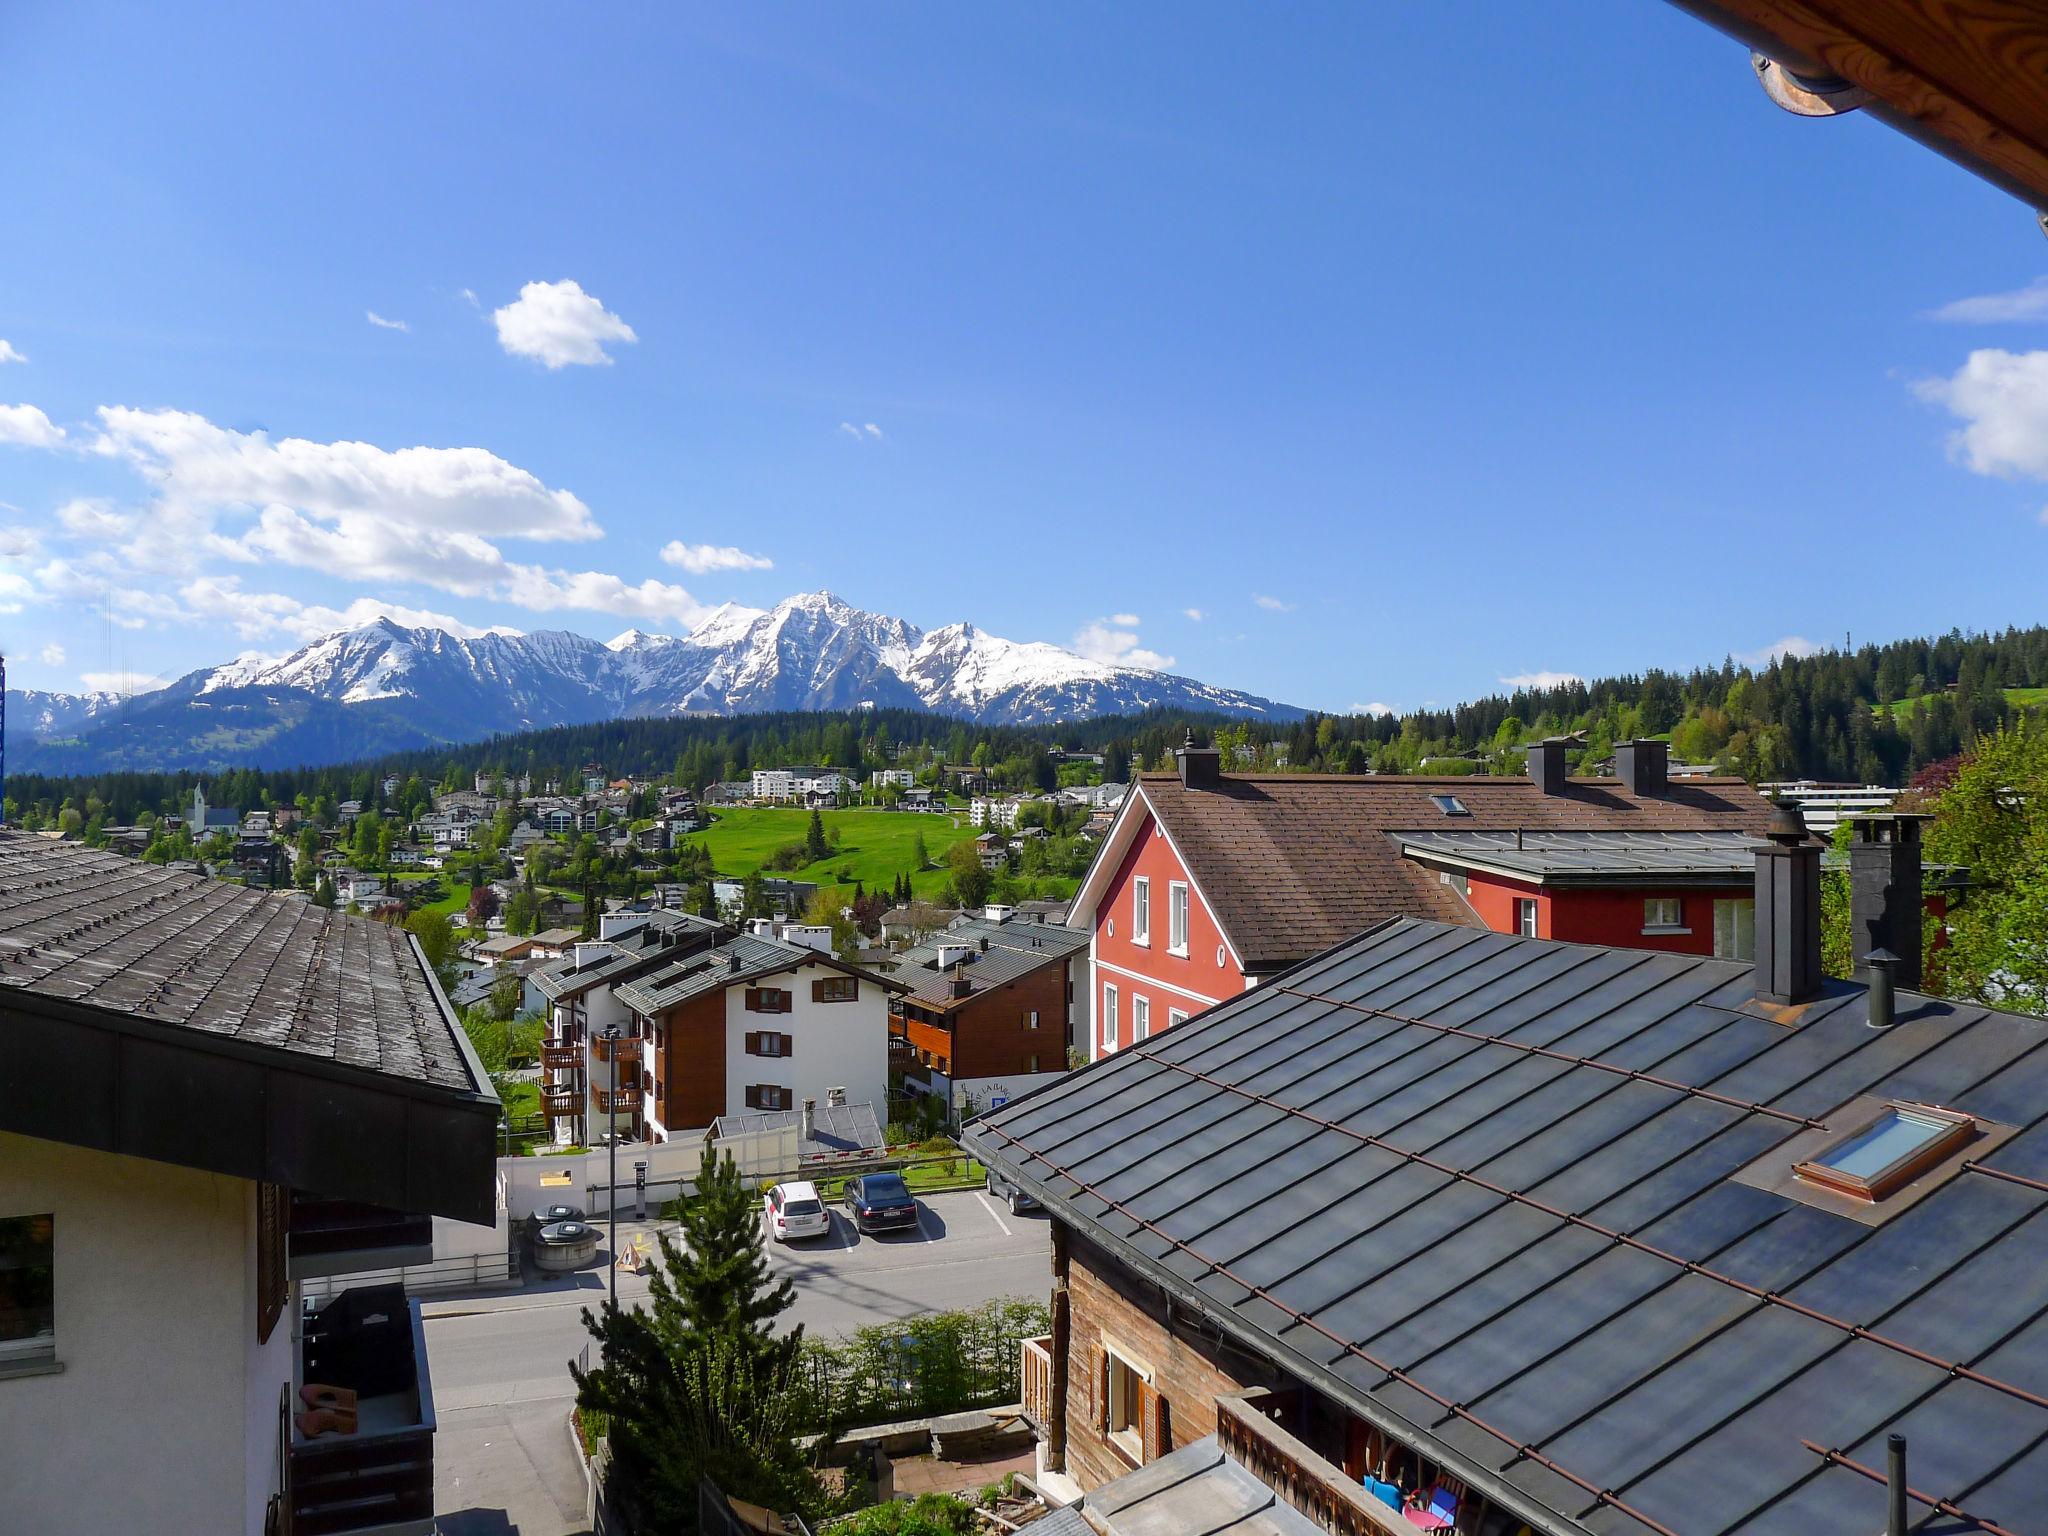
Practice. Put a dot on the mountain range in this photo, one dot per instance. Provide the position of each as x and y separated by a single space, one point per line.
384 687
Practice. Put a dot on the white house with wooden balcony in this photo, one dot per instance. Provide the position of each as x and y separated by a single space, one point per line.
212 1094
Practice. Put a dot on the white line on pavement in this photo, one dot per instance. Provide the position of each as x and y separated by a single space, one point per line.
992 1211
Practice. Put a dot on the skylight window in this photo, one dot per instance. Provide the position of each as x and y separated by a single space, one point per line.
1883 1154
1450 805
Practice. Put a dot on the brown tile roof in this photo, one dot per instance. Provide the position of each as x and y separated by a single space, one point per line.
1294 863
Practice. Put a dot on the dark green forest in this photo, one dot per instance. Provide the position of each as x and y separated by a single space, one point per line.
1878 714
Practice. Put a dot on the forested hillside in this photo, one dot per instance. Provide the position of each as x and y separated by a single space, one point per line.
1877 715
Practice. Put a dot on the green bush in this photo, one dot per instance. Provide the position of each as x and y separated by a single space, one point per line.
945 1362
929 1514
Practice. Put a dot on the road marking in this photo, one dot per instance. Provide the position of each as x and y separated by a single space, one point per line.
992 1211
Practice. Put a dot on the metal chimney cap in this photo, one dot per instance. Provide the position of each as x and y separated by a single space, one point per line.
1883 956
1788 825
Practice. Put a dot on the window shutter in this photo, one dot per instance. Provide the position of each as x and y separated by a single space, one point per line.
789 1045
753 1097
753 1043
818 990
753 999
1155 1432
273 1280
1102 1405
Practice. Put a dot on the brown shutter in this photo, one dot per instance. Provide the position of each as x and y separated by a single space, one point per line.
1102 1403
789 1045
753 1046
753 999
273 1281
1156 1433
818 990
753 1097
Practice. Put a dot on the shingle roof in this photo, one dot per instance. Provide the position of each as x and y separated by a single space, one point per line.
1434 1154
1293 863
82 926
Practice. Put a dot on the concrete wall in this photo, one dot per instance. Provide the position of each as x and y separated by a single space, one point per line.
164 1417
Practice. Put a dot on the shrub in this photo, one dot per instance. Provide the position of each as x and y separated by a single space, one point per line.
945 1362
929 1514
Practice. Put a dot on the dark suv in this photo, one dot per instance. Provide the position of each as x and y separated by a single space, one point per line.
880 1202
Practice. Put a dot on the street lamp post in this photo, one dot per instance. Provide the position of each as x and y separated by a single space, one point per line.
611 1200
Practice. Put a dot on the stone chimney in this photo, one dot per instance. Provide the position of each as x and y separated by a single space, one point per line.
1200 767
1885 895
1644 767
1788 911
810 1122
963 984
1547 765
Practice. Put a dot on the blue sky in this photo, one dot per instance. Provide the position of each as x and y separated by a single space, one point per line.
1347 354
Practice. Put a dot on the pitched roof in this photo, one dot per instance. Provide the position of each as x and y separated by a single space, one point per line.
834 1127
1428 1173
1590 857
1293 863
985 972
748 957
78 925
640 948
1194 1489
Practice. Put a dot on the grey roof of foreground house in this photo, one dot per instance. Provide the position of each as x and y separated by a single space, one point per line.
163 1015
1194 1489
1530 1206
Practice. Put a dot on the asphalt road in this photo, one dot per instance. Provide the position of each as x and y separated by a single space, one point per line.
504 1462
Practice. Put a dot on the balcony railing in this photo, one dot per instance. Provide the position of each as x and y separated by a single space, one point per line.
627 1047
1037 1380
558 1103
625 1101
1297 1475
556 1057
381 1478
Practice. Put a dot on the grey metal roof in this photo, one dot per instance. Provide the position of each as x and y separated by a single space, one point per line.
1194 1491
711 970
663 934
1479 1189
83 926
985 971
834 1127
1564 857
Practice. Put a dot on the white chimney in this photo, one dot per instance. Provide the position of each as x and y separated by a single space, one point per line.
836 1097
810 1123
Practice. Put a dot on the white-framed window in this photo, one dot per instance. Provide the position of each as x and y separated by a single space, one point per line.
28 1292
1109 1018
1525 916
1735 928
1177 918
1141 1018
1123 1403
1662 914
1141 910
1031 1019
1176 1016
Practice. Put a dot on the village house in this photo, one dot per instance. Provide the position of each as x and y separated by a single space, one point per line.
213 1097
1005 928
980 1011
1492 1234
1209 882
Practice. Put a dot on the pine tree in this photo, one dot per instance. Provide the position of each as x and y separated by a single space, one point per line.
814 838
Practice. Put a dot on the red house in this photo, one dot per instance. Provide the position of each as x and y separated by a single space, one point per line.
1209 882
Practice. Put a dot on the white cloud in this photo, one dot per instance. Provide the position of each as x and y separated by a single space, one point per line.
1541 680
862 432
90 517
1272 604
29 427
1375 709
1102 640
52 654
1791 645
8 354
701 559
382 324
256 615
1195 613
17 542
2003 398
468 296
559 324
2028 303
123 682
597 591
1125 620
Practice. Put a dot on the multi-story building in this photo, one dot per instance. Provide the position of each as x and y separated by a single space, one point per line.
1209 882
214 1096
888 778
1471 1232
799 784
980 1011
994 811
957 935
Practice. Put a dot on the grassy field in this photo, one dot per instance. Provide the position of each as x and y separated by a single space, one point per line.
2020 698
874 846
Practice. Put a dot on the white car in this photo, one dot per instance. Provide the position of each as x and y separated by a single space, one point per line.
794 1210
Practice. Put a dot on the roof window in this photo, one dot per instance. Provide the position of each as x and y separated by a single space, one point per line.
1450 805
1887 1152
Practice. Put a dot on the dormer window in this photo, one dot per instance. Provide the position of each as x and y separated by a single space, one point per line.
1886 1153
1450 805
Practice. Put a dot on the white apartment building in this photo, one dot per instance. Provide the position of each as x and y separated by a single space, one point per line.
994 811
887 778
795 784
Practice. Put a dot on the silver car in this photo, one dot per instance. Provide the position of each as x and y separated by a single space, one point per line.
794 1210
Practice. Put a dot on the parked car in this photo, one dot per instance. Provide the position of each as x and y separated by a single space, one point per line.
1003 1189
794 1210
880 1202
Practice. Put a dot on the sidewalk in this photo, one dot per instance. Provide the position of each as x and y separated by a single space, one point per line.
578 1288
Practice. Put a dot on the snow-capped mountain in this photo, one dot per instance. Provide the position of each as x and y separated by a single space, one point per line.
809 652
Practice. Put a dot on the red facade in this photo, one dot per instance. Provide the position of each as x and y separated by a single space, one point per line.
1142 977
1605 915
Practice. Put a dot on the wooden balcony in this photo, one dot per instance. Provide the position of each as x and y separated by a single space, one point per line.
382 1477
1295 1473
1036 1377
627 1047
557 1057
560 1103
625 1102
